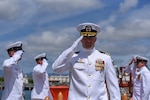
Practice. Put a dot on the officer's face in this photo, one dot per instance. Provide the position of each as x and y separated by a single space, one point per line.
40 61
11 53
88 42
140 64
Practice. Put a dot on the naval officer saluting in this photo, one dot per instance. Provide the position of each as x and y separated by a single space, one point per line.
90 70
13 77
141 77
41 90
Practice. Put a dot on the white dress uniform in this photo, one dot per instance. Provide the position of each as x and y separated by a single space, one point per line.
90 70
41 84
13 77
87 81
141 81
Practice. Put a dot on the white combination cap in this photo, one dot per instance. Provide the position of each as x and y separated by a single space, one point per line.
88 29
15 45
42 55
141 58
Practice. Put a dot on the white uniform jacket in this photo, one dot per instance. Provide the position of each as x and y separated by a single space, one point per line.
41 84
13 79
88 81
141 81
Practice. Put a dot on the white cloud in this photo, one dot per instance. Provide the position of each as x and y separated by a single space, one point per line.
14 14
120 39
126 35
62 6
127 4
17 10
133 25
21 11
122 34
106 22
50 41
137 29
140 14
9 9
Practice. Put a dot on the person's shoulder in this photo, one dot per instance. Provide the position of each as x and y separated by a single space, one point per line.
103 52
145 71
7 60
146 75
36 66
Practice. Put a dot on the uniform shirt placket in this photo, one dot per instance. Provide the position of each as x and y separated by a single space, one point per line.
89 75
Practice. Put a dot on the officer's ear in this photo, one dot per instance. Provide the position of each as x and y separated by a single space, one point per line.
95 38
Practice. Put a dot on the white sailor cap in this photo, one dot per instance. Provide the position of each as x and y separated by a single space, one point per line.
141 58
14 46
42 55
88 29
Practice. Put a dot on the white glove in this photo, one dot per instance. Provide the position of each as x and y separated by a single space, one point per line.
19 52
66 55
17 55
70 51
134 57
75 44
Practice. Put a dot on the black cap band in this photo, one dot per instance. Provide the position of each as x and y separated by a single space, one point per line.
15 48
141 60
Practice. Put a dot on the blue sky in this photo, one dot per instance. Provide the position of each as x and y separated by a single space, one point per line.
50 26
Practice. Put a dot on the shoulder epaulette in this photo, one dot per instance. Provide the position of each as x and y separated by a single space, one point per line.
77 52
105 53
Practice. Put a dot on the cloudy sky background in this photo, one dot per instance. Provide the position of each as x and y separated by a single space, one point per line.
50 26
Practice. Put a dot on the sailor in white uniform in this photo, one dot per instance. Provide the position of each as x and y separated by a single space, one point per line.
90 70
13 77
41 90
141 78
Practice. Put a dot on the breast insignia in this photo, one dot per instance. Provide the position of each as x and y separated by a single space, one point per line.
99 64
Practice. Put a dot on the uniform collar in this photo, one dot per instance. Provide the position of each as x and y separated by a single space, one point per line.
88 51
141 69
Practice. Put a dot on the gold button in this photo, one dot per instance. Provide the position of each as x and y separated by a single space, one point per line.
89 86
89 74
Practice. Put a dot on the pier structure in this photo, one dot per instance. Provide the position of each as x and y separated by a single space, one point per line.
59 80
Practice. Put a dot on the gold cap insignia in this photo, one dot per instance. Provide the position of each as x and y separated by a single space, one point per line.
88 28
88 31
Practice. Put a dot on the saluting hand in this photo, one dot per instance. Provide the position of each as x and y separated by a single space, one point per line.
133 60
19 52
75 44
